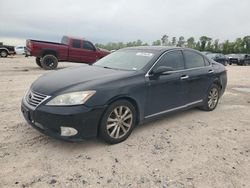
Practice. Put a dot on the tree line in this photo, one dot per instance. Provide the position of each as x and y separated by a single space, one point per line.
204 43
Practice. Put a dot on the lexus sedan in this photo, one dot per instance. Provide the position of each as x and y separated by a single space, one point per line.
124 89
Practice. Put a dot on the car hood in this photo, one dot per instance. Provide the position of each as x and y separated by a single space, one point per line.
77 78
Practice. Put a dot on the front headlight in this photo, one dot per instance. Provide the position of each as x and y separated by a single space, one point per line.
74 98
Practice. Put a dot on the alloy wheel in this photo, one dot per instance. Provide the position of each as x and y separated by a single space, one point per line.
119 122
213 97
49 62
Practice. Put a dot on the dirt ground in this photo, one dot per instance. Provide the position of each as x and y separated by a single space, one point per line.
186 149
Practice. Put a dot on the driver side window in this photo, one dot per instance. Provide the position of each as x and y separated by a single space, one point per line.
88 46
173 59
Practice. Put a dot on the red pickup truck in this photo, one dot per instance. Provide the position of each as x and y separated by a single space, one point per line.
48 54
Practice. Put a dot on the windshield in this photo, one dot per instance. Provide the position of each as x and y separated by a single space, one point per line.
126 60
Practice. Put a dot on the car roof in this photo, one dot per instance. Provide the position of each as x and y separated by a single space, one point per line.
160 49
156 48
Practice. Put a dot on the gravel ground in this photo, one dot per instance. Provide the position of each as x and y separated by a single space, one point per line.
186 149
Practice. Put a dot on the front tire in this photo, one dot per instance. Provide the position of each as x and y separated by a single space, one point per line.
49 62
4 53
212 98
117 122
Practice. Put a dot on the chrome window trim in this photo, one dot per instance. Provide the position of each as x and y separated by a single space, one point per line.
147 74
173 109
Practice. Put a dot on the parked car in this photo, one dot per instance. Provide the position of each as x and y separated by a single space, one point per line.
247 59
239 59
48 54
6 50
218 57
20 50
130 86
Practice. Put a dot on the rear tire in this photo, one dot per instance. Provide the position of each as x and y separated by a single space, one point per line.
49 62
117 122
3 53
212 98
38 62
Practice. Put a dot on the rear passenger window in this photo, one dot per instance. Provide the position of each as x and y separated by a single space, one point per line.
76 43
193 60
172 59
88 46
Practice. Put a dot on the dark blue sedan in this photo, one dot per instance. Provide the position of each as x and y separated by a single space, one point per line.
126 88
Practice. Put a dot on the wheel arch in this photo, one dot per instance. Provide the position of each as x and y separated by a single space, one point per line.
49 52
131 100
5 49
217 82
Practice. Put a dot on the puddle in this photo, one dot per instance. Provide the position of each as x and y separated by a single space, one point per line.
243 89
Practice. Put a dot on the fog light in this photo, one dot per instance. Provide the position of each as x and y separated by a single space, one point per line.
37 124
68 131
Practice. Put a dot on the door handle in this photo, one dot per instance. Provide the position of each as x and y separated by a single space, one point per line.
184 77
210 71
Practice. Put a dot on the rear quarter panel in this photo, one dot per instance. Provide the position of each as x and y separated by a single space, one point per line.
40 48
221 76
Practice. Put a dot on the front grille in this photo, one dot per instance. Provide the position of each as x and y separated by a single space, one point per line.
34 98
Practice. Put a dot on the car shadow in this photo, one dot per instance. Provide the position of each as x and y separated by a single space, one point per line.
158 121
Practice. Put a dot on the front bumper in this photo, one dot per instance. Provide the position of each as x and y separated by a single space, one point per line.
50 119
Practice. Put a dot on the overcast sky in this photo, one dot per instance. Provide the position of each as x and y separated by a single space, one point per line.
102 21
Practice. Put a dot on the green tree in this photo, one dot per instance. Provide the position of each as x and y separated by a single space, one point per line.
164 40
216 46
246 40
203 41
209 46
138 42
238 45
181 41
191 42
156 43
228 47
173 42
198 46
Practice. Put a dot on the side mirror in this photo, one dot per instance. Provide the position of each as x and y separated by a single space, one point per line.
162 70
